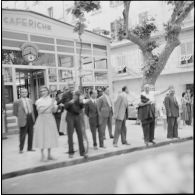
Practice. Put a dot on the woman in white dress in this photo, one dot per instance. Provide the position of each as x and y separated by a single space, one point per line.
45 128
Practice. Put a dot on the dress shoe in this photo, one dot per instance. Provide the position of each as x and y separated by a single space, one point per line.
126 143
20 151
85 156
102 147
60 133
115 145
71 155
153 142
95 147
111 136
31 150
50 158
147 144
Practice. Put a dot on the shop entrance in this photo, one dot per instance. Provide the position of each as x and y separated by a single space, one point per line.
32 80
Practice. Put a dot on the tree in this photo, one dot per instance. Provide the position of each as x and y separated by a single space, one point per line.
141 36
78 11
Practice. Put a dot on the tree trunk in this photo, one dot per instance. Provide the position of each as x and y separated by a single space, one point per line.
163 58
80 64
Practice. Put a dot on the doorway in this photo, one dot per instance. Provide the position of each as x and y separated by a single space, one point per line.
32 80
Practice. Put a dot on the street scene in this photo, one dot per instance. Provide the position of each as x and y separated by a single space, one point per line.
97 97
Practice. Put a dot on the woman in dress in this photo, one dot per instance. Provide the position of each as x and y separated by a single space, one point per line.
45 129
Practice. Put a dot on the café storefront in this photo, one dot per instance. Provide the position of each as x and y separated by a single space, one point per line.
38 50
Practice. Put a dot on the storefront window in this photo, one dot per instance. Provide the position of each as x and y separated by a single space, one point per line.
52 75
65 75
45 59
12 57
101 77
100 63
88 78
87 63
8 94
65 61
7 74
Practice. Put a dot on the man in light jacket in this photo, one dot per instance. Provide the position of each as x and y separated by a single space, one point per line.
105 112
121 114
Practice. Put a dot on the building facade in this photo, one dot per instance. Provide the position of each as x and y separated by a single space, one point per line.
38 50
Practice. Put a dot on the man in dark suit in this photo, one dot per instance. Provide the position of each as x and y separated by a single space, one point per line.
66 97
92 113
74 110
23 110
105 112
146 114
172 112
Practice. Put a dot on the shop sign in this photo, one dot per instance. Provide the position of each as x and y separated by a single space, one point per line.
26 22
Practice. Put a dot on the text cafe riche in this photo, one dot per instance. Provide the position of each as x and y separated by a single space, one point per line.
26 22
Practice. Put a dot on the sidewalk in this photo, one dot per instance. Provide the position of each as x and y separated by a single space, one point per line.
15 164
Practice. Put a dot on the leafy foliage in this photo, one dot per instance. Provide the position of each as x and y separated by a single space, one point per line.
171 31
151 66
144 30
78 11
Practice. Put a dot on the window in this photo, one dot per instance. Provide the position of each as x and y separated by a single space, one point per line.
65 75
187 53
50 12
7 74
100 63
101 77
142 17
8 94
121 64
87 78
45 59
12 57
65 61
87 63
52 75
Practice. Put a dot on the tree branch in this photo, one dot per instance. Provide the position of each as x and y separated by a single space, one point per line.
176 10
165 54
126 16
186 10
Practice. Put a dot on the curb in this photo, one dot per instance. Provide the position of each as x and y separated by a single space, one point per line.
90 158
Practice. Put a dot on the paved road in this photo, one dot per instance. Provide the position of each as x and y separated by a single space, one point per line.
93 177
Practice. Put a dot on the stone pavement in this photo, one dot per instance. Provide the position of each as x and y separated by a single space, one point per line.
15 164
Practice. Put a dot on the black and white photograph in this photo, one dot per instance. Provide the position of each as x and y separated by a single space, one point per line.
97 97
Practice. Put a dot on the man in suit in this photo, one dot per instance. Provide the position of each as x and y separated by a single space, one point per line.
66 97
121 114
23 110
74 110
105 112
92 113
172 112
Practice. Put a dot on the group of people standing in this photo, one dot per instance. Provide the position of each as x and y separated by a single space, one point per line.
43 131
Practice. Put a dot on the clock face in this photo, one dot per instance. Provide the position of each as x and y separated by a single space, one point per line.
31 57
